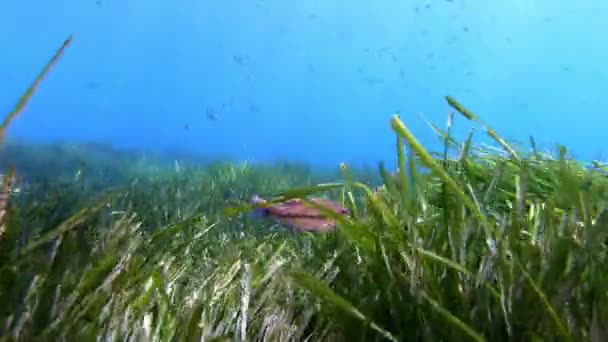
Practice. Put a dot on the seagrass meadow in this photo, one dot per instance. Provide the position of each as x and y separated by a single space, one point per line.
470 243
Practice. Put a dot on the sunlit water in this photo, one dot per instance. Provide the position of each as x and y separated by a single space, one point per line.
311 81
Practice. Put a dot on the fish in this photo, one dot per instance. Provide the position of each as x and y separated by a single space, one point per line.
211 114
297 216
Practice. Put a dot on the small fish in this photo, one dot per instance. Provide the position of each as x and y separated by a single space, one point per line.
297 216
253 108
211 114
240 59
93 85
372 80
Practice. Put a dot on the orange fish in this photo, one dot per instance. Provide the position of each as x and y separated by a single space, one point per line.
297 216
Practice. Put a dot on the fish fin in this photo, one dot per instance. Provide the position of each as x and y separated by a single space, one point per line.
255 199
259 213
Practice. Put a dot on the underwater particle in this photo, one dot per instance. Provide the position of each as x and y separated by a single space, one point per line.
310 67
186 127
253 108
80 171
226 106
211 114
372 80
98 3
427 6
297 216
465 28
240 59
93 85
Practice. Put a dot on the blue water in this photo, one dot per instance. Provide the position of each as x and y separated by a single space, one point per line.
312 81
